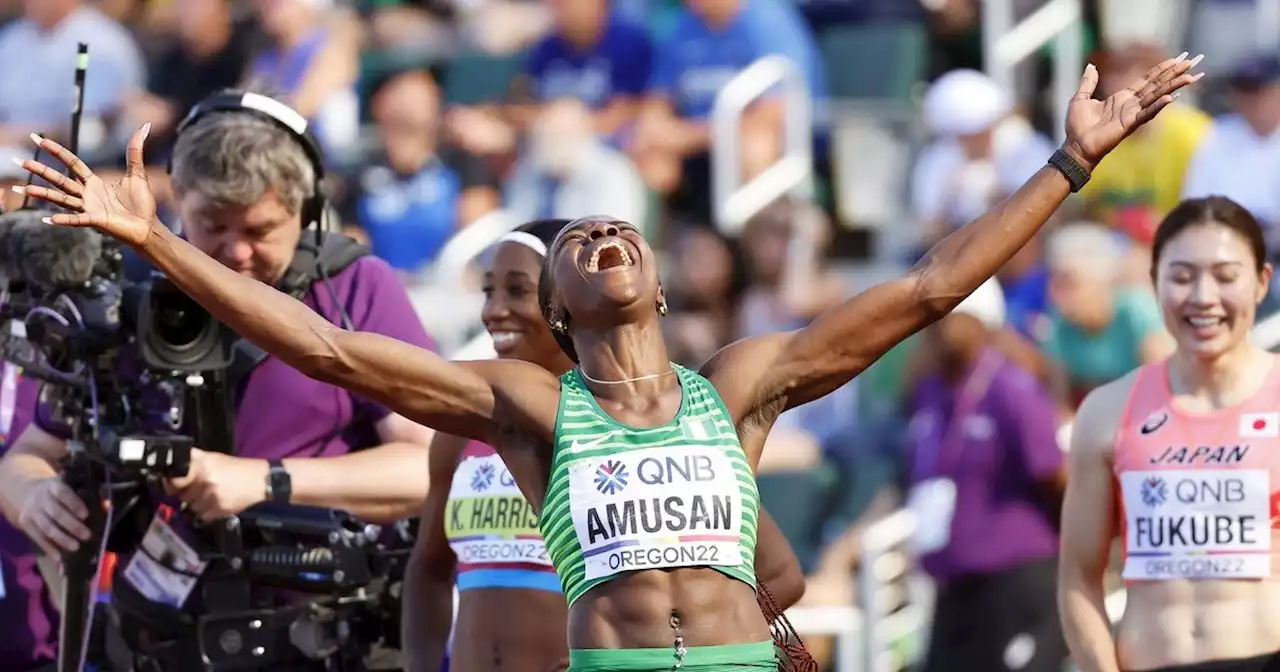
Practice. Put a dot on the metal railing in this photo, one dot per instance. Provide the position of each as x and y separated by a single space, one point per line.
735 202
1005 45
866 641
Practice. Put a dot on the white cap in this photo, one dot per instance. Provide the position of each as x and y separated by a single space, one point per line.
1084 247
985 303
963 102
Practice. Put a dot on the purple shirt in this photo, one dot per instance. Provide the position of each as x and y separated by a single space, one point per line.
28 617
285 414
996 454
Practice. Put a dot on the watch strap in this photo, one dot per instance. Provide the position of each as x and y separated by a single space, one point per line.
1076 175
279 484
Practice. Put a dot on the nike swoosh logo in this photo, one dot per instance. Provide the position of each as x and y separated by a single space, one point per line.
577 447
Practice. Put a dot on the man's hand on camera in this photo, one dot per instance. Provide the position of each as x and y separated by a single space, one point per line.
53 517
218 486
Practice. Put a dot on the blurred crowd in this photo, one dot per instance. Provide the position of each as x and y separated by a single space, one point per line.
436 115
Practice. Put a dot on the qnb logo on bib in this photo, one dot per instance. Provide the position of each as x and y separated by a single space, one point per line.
1197 524
497 527
656 508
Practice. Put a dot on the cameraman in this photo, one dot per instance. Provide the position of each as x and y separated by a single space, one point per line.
243 181
28 615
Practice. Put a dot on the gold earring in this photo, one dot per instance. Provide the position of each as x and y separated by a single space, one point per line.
662 308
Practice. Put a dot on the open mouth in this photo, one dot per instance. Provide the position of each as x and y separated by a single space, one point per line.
607 255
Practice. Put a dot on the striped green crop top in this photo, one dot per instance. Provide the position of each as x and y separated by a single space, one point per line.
622 499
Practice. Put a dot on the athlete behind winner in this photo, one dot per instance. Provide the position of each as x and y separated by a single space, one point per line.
1188 452
475 523
583 436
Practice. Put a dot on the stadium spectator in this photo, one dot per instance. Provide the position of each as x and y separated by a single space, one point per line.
314 60
37 96
209 51
984 458
1143 178
421 191
981 152
568 171
593 55
712 41
1240 157
789 285
417 26
1025 281
708 278
1099 329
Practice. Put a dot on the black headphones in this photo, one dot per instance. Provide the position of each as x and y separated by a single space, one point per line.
283 117
288 120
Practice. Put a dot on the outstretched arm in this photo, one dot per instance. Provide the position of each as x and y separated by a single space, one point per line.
811 362
454 397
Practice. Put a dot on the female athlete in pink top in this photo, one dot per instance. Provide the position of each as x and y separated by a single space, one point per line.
1181 460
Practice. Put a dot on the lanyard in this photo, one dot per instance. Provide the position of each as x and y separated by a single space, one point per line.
930 452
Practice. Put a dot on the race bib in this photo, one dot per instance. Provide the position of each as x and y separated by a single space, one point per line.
165 568
934 504
1197 524
677 506
488 520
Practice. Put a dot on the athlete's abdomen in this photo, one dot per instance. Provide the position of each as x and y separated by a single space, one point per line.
634 610
1182 622
508 630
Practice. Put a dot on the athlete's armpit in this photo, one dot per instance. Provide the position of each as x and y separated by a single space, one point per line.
780 371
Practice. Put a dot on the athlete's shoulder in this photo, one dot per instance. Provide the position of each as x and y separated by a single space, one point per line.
1102 412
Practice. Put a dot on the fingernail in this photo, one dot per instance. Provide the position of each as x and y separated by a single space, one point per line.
18 162
47 220
146 129
19 189
1198 76
35 137
1182 57
1196 60
1175 95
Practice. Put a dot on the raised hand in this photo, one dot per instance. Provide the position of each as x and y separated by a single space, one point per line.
1095 127
125 209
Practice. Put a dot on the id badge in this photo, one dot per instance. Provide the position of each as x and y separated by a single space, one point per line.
934 504
165 568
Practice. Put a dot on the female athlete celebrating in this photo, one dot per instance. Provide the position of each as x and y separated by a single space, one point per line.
1188 452
476 524
644 469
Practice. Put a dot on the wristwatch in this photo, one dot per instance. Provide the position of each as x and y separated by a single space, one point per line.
279 484
1076 175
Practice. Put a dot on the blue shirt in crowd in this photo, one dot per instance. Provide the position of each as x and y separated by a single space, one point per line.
618 65
409 218
696 61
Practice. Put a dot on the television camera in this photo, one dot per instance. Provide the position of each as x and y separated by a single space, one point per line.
138 373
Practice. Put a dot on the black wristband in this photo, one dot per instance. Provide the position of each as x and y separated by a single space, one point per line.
1070 169
279 484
